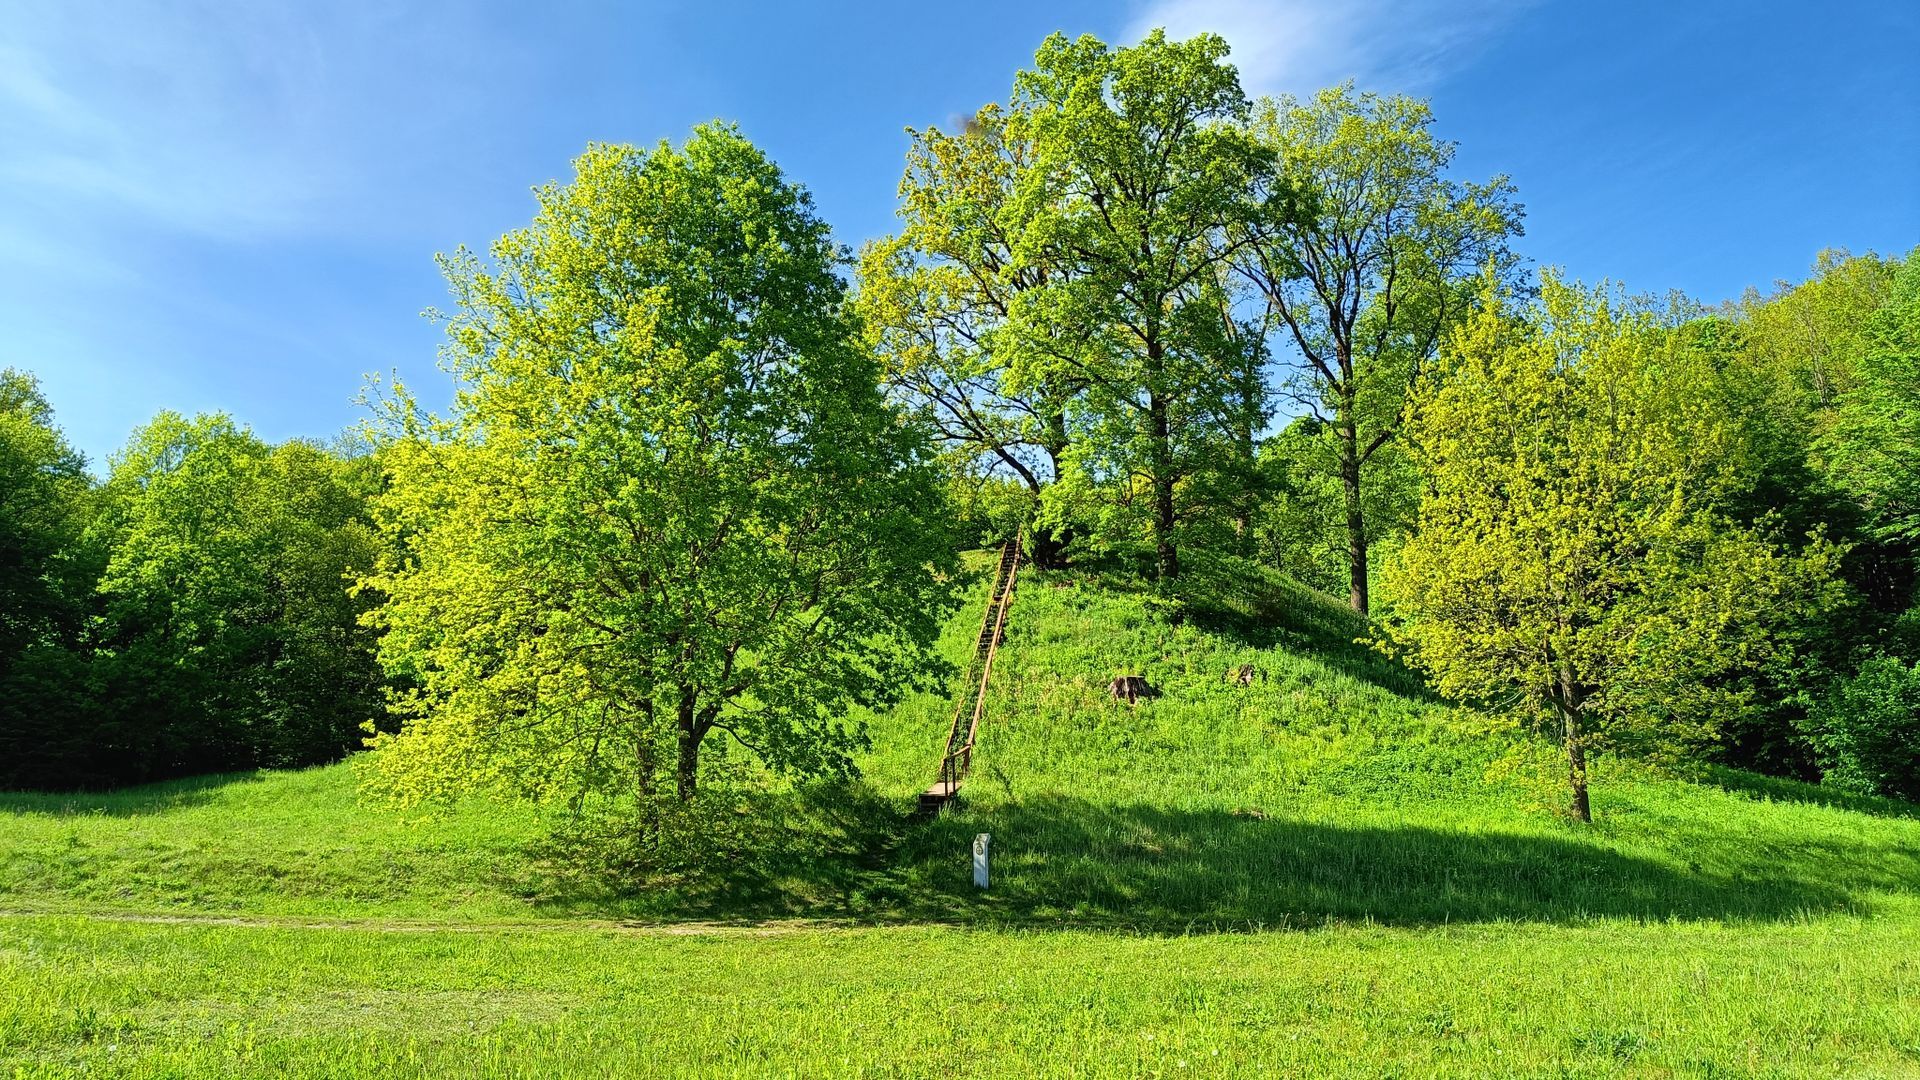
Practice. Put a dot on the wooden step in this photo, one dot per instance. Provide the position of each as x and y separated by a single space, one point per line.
937 796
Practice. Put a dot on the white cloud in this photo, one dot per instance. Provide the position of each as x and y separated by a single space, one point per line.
226 118
1298 46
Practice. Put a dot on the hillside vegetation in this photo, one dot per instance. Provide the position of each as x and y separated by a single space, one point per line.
1298 874
1330 788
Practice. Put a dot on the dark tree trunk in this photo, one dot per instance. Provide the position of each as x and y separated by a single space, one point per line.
1568 701
1167 557
687 772
690 733
1047 547
1356 519
643 762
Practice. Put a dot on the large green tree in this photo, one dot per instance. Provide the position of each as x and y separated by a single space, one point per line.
42 485
1364 285
1141 166
225 635
1813 331
1571 562
670 499
1872 446
44 499
937 301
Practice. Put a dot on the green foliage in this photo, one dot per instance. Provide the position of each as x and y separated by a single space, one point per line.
189 615
1139 165
1572 562
226 636
1813 332
43 485
989 509
1303 526
669 499
1867 732
1873 445
1366 276
44 500
937 302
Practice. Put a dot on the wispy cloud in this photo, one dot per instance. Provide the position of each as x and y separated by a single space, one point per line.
226 118
1297 46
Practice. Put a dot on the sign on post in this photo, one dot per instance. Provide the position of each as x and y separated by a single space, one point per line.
980 845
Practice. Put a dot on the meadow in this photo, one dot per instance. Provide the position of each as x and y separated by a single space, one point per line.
1324 870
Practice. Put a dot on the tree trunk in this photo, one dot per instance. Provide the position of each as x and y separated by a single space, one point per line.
1056 441
687 768
1048 547
1356 519
1167 557
687 772
1568 700
643 762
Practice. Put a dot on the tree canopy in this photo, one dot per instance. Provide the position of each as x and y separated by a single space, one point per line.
670 498
1365 282
1141 164
1573 564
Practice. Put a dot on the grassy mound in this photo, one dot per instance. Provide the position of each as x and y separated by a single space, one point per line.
1330 787
274 924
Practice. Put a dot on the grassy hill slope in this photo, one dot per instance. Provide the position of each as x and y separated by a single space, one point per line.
1412 915
1333 787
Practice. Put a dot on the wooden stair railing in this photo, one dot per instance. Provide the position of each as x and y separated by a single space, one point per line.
965 728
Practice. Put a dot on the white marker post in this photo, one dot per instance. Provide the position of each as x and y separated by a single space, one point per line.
980 845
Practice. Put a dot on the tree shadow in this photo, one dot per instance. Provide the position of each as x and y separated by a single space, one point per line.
1065 863
1778 789
138 801
1259 608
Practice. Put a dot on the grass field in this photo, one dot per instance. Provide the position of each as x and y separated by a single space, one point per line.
1312 874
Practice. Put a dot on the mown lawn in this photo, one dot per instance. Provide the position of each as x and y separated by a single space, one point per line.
1322 872
1826 998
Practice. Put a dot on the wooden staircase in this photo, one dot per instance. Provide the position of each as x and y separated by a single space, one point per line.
966 725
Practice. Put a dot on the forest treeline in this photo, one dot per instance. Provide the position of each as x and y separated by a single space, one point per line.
708 472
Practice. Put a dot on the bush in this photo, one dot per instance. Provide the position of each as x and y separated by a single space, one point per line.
1866 733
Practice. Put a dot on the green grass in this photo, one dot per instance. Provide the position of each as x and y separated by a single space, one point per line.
1311 874
1829 998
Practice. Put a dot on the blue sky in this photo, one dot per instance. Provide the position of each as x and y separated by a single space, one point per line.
233 204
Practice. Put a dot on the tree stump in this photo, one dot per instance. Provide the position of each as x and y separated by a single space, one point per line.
1131 689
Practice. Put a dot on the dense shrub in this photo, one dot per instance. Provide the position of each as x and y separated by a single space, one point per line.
189 615
1867 731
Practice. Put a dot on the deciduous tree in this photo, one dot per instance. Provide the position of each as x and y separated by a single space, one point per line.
226 637
937 300
669 500
1873 445
1365 283
44 499
1140 167
1570 563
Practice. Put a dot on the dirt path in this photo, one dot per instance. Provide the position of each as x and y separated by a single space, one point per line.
416 926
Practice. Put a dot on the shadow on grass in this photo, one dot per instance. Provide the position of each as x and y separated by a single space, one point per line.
1261 608
1776 789
127 802
1065 863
